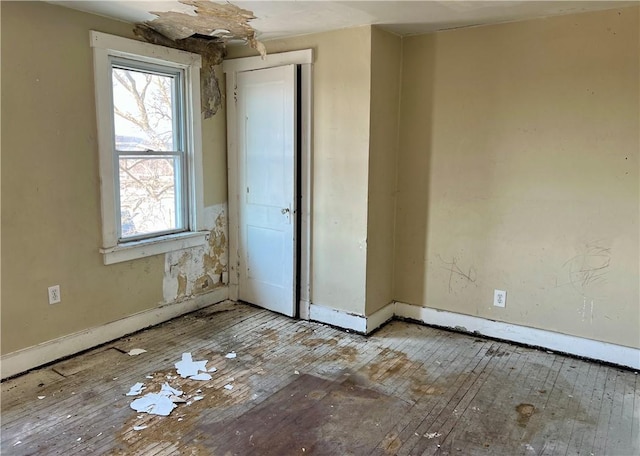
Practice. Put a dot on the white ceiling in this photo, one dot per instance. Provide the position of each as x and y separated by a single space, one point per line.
277 19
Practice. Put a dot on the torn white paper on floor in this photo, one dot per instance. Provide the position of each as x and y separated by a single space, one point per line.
197 398
187 367
228 386
230 355
139 428
154 404
136 389
136 351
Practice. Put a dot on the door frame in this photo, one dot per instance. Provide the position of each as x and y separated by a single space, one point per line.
304 59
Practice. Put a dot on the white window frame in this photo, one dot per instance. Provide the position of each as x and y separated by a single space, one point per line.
104 47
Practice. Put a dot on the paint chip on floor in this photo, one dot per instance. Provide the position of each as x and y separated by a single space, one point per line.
167 390
136 389
139 428
201 376
41 397
432 435
230 355
188 368
136 351
154 404
228 386
157 403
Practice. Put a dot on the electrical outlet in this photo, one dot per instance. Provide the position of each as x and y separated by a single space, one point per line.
54 294
499 298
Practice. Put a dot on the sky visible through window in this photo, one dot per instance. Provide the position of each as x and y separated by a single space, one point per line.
144 121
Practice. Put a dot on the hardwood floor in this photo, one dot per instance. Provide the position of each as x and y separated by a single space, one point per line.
305 388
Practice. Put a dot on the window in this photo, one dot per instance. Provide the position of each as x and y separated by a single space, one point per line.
148 114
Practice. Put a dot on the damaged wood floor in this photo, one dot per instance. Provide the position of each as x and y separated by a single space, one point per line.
305 388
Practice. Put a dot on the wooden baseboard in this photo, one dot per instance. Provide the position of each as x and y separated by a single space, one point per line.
29 358
549 340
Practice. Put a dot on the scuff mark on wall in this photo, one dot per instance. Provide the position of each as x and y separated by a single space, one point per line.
198 270
457 276
588 269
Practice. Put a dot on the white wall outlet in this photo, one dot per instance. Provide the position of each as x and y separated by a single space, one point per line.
54 294
499 298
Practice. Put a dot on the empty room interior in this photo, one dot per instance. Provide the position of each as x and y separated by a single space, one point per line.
330 228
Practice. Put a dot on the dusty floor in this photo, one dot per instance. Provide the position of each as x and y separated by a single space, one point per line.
305 388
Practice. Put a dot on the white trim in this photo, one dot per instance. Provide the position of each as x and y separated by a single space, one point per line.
563 343
32 357
125 47
303 57
306 184
304 312
155 246
338 318
104 46
231 68
380 317
232 184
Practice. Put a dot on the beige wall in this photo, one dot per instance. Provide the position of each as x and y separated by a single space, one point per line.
341 95
518 170
50 191
386 51
214 148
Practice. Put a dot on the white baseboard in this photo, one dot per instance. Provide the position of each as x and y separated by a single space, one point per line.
563 343
338 318
37 355
353 322
380 317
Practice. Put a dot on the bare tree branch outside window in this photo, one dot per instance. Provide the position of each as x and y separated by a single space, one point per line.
143 119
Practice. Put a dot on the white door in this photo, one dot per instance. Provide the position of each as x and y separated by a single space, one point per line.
266 125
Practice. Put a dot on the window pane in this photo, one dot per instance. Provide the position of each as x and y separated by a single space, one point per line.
143 110
150 199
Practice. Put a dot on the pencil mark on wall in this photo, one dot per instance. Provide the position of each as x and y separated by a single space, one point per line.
587 271
456 273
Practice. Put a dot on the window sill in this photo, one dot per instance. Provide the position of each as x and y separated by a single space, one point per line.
155 246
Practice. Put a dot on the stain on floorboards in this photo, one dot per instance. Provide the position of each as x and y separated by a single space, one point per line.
310 415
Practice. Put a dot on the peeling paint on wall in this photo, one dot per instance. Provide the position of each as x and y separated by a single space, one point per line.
212 53
199 270
204 32
210 19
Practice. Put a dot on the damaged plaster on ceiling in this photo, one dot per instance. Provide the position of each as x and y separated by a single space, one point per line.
204 32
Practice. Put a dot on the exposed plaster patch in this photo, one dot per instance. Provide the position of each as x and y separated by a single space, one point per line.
204 32
212 53
201 269
220 20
